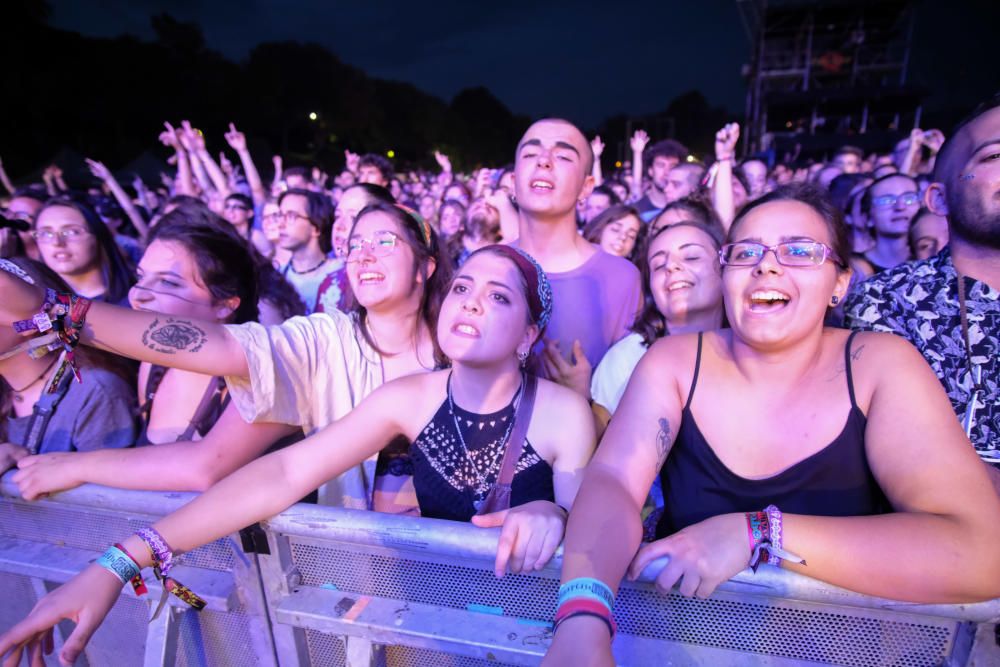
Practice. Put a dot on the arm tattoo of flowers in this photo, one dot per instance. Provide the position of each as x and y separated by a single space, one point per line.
171 335
663 440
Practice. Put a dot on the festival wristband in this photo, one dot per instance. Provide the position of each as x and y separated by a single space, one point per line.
159 550
118 563
138 583
580 607
587 587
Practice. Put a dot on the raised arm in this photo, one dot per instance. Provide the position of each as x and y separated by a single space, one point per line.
100 171
197 139
597 146
722 184
255 492
191 141
638 144
5 179
175 466
177 342
183 184
238 142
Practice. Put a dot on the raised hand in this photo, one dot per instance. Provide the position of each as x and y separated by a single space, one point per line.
934 139
639 141
597 146
236 139
443 161
725 141
529 537
192 137
169 137
351 161
98 169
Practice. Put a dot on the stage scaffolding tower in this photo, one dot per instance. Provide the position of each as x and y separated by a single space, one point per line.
828 73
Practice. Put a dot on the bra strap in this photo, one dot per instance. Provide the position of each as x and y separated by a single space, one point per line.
847 367
697 368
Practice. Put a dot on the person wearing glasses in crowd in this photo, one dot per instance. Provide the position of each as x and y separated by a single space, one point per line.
75 244
24 205
948 305
305 231
890 203
270 226
778 441
480 422
238 211
305 373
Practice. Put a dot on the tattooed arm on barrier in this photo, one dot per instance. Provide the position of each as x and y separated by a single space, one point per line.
178 342
605 529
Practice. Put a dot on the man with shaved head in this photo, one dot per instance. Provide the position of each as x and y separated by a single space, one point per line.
948 306
596 295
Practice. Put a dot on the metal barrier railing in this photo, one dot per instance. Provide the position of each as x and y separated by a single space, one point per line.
355 588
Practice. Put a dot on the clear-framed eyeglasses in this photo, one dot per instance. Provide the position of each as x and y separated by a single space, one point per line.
379 244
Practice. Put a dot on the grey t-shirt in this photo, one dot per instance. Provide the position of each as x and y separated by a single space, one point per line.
94 414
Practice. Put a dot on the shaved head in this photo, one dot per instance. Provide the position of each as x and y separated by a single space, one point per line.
582 146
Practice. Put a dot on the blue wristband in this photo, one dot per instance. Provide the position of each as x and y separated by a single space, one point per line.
117 562
587 587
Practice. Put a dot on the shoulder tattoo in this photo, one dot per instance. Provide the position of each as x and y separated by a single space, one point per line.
173 335
663 440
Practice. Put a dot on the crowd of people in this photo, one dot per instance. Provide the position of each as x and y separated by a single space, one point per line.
730 362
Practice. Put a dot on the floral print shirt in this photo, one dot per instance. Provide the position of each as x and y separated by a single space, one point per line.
919 301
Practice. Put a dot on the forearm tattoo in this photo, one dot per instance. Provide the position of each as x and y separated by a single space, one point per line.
662 442
173 335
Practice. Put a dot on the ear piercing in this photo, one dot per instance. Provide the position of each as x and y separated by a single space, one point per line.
834 300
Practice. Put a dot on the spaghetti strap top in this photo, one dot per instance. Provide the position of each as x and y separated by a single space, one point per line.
835 481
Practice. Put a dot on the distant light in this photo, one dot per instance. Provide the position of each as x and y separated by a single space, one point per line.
313 115
618 164
390 153
788 124
690 158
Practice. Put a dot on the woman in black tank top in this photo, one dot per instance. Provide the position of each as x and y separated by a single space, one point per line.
779 412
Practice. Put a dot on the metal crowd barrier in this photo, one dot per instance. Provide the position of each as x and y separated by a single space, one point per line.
326 586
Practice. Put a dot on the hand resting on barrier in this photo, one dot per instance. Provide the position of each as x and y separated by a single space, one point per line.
485 376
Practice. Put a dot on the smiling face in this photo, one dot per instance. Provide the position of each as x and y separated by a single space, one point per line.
618 237
893 219
386 276
169 282
551 172
485 318
72 251
685 278
770 305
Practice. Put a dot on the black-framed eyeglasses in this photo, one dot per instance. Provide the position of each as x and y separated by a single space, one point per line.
790 253
292 216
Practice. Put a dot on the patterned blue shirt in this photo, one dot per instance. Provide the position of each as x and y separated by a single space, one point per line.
919 301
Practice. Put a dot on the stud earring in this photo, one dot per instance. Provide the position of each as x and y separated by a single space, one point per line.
834 300
522 357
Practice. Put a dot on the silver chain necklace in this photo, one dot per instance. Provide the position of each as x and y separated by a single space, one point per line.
482 488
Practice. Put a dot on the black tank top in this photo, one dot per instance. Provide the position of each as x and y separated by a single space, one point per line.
835 481
448 479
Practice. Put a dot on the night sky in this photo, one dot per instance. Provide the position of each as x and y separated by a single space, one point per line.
581 60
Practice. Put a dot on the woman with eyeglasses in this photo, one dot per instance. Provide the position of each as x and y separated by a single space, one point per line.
484 445
781 442
79 247
305 373
270 224
891 203
42 407
238 211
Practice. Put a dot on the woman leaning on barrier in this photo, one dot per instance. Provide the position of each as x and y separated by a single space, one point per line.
304 373
496 308
783 442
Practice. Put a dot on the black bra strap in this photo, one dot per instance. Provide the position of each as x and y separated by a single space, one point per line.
694 378
847 366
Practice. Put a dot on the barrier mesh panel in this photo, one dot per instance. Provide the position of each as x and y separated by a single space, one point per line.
17 597
772 627
121 639
93 530
325 650
407 656
209 638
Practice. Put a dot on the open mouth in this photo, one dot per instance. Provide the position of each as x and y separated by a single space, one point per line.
370 278
770 300
541 186
466 330
679 285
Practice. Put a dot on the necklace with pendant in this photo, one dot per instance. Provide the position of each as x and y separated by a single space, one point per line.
482 488
18 393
